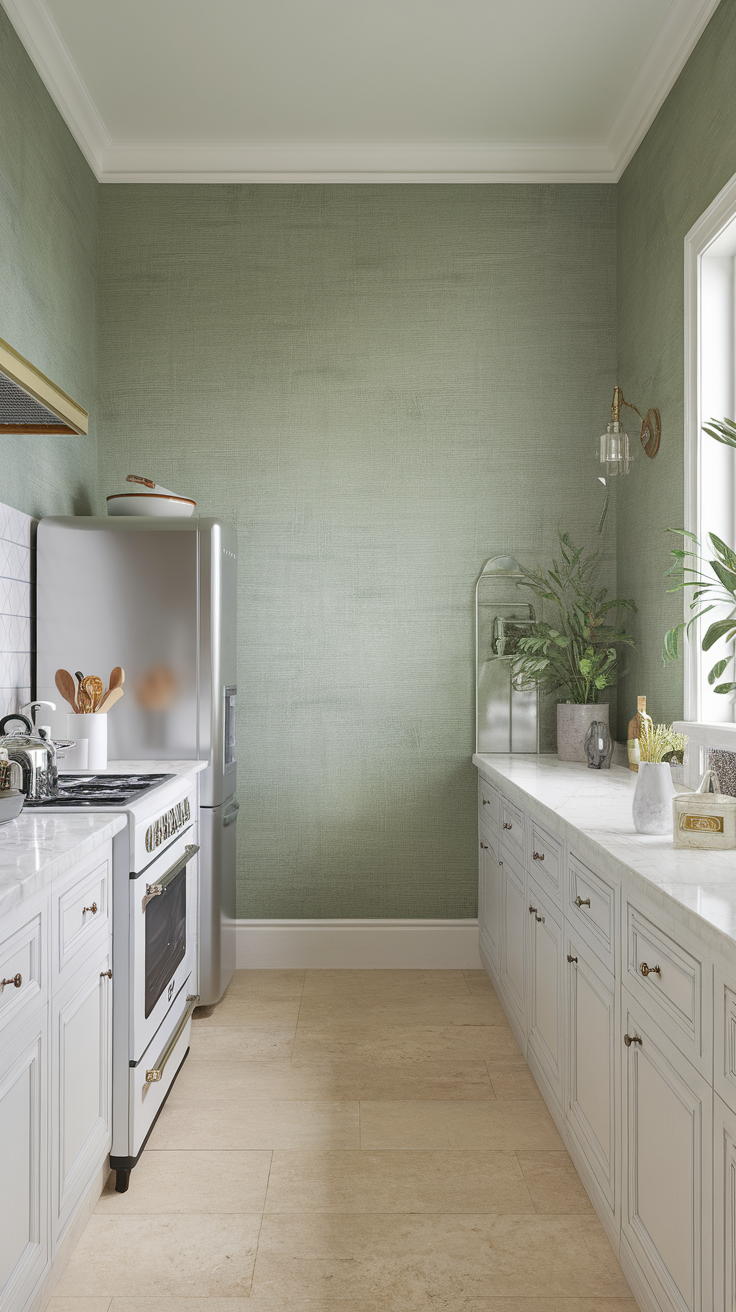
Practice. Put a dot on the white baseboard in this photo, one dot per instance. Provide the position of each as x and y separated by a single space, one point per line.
357 944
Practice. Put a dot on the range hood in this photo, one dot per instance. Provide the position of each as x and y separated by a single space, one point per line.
29 401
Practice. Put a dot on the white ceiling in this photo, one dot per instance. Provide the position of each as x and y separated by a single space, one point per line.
344 90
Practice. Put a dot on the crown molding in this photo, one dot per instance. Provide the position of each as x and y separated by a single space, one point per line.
660 68
329 162
58 72
348 162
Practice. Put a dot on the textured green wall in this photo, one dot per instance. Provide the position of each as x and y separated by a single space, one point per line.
381 386
48 282
686 158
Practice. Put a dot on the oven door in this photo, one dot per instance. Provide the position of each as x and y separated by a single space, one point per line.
163 910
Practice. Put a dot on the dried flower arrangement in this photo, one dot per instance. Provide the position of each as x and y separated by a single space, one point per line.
659 742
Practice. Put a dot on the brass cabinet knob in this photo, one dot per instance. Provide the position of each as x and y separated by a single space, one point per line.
486 801
538 856
506 825
582 901
539 919
631 1038
484 846
532 910
17 980
105 974
93 909
571 959
649 970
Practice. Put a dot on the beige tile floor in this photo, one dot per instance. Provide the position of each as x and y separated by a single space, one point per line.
349 1141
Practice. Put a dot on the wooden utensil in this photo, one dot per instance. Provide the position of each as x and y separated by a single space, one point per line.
112 696
65 684
82 698
117 678
93 688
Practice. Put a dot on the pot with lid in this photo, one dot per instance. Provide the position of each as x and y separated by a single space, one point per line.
35 753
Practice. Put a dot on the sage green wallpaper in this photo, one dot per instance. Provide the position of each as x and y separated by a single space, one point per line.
48 282
686 158
381 387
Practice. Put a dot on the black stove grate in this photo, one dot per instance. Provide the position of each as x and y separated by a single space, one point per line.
85 790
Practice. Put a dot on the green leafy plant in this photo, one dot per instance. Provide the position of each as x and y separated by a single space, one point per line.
709 593
578 653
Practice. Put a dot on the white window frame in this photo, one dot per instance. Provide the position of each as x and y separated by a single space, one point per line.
719 215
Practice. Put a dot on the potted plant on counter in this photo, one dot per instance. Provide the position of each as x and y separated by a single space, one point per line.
576 651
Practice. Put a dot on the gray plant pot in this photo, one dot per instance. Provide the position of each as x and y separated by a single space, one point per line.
573 723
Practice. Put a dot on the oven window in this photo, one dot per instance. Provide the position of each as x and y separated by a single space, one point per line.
166 937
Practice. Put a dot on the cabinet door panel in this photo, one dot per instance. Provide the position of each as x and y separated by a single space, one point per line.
545 1021
23 1162
591 1102
82 1052
514 931
669 1158
489 896
724 1199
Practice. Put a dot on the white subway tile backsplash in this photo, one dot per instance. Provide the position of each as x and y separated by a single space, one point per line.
16 607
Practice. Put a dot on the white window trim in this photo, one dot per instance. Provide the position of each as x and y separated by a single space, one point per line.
709 226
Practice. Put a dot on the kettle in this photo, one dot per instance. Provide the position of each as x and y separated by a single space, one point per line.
35 753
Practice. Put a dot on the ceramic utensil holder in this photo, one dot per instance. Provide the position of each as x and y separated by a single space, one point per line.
94 729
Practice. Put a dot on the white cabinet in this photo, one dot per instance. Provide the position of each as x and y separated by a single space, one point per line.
24 1086
667 1140
82 1075
513 932
545 1008
724 1207
55 1069
489 897
592 1065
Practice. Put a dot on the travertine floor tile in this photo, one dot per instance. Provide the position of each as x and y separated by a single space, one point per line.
553 1182
397 1182
239 1007
371 1010
511 1078
183 1305
475 1126
396 985
242 1125
403 1043
187 1181
274 985
356 1303
340 1081
478 983
401 1260
241 1043
79 1304
163 1256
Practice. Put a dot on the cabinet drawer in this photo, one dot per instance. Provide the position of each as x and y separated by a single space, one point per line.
21 965
545 861
724 1037
512 827
667 978
592 909
488 804
81 914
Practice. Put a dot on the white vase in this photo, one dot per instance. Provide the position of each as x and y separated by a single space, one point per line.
655 790
573 723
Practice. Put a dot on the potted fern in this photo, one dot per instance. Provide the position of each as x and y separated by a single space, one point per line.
576 652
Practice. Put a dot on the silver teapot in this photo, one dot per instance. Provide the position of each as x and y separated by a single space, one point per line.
35 753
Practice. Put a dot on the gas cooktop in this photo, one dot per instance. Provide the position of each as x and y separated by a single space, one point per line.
100 789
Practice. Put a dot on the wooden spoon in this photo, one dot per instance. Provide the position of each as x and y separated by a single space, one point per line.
117 678
65 685
93 688
112 696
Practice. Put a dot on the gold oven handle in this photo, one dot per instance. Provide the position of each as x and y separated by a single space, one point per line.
156 1072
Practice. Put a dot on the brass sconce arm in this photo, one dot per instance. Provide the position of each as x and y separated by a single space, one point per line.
651 423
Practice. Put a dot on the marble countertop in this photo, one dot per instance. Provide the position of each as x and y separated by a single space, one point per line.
597 804
39 846
144 767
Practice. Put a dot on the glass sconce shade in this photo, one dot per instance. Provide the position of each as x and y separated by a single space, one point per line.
614 450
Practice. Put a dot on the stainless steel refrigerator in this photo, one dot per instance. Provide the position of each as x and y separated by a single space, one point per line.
158 597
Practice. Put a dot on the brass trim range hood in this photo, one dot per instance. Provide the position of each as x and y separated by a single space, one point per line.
30 403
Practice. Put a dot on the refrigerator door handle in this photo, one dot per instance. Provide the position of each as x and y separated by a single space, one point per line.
231 814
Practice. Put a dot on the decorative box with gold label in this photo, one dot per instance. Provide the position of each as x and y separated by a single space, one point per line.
705 819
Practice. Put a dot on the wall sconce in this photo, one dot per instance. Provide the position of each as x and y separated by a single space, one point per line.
614 444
